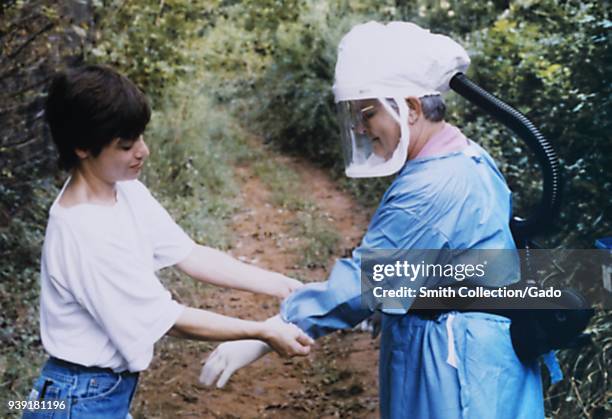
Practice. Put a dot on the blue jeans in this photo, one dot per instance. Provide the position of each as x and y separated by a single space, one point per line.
74 391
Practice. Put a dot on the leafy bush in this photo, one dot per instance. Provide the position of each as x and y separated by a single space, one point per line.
21 241
549 59
35 39
148 40
193 146
552 61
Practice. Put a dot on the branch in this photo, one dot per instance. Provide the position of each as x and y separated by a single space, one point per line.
16 25
45 28
29 87
20 107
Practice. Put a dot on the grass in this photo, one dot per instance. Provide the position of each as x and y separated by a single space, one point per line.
586 390
318 239
282 183
194 147
197 145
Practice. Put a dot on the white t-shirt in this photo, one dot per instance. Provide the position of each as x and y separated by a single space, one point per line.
101 303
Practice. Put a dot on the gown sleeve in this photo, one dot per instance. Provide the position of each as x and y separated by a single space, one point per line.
322 307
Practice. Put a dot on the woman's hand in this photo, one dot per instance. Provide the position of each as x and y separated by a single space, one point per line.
285 338
286 286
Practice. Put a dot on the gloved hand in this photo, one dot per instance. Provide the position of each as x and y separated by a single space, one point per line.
229 357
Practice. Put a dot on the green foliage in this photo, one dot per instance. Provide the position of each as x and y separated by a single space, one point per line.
236 47
148 39
194 145
320 239
271 63
553 61
585 391
20 244
550 59
293 104
456 17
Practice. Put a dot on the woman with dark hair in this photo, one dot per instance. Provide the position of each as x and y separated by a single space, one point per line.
102 307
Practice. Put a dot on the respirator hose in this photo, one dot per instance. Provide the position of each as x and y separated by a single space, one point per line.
534 331
548 208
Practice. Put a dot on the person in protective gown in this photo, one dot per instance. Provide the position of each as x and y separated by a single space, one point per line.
448 194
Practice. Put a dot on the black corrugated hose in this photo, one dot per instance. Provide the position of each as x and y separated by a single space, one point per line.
534 331
548 208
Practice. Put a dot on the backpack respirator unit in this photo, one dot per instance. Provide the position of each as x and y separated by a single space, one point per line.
560 326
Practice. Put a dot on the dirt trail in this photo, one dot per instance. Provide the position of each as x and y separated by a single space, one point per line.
339 379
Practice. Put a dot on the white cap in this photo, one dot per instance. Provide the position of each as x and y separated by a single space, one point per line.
399 59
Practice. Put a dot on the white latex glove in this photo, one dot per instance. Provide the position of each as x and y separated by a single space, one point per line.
229 357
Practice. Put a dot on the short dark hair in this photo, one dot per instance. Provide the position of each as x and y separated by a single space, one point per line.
89 106
433 107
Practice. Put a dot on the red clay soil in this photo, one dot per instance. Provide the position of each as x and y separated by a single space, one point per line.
338 379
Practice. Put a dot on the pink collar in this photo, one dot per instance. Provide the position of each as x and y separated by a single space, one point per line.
447 140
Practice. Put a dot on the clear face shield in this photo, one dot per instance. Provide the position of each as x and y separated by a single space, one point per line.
374 135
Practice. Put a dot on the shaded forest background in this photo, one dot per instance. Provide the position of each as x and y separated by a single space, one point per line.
216 69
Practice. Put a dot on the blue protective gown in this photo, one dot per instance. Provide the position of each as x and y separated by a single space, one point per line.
461 365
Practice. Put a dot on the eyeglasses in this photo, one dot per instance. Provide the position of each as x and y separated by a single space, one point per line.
362 115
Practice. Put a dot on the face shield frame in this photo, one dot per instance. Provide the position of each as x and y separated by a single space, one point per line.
360 158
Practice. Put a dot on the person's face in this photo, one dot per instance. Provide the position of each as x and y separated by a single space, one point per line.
379 126
120 160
